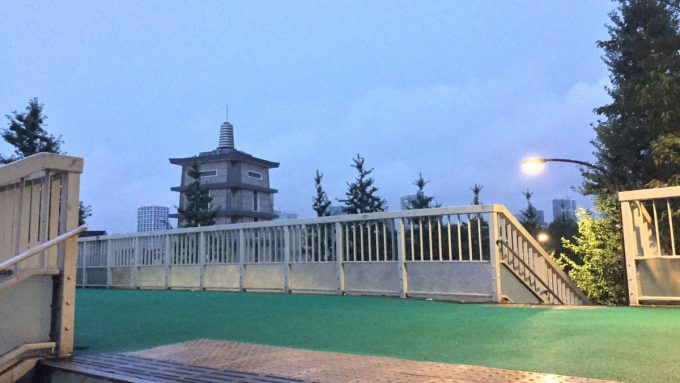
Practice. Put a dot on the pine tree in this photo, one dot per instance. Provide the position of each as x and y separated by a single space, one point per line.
361 195
529 216
422 201
84 212
321 203
476 189
26 133
638 141
197 211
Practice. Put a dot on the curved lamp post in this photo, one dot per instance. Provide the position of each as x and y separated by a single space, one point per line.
532 166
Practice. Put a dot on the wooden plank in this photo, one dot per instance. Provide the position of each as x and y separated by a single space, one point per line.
37 163
67 292
647 194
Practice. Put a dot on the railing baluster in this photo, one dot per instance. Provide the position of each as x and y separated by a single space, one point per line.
420 235
429 234
469 224
670 225
656 227
460 240
448 230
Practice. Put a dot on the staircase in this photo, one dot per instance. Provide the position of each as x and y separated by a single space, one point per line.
522 257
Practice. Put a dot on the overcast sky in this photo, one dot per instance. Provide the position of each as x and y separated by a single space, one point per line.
460 91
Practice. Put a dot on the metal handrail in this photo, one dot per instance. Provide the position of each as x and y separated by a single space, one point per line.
502 242
42 247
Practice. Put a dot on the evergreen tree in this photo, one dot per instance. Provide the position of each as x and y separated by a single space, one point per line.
475 192
196 211
361 195
422 201
529 216
563 228
26 133
637 142
84 211
321 203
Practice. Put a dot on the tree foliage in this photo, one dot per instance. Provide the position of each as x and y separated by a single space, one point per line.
422 200
529 216
197 210
361 195
597 267
560 229
476 189
637 141
84 212
320 203
27 135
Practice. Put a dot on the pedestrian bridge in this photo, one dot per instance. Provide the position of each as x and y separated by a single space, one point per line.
477 253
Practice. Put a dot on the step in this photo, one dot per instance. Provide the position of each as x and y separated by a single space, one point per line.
121 368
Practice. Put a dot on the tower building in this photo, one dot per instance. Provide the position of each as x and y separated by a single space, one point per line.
152 218
237 182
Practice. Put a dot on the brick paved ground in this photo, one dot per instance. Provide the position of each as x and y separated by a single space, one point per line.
329 367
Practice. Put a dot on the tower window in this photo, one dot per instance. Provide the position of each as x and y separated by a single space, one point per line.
208 173
256 201
255 175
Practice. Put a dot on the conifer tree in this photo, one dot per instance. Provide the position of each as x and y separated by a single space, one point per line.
529 216
476 189
27 135
197 210
637 142
320 203
361 195
422 201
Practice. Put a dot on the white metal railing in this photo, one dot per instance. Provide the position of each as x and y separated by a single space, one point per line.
651 234
38 226
376 253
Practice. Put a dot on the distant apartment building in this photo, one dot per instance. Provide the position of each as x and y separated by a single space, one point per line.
152 218
237 182
564 207
282 215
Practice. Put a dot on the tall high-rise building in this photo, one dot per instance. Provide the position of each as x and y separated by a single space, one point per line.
237 182
564 207
152 218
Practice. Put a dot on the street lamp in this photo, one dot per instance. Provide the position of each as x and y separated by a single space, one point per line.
534 165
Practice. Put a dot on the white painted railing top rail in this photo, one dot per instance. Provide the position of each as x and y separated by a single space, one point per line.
454 234
651 233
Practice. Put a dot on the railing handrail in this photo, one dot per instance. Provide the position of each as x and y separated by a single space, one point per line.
42 247
459 210
15 171
540 250
504 243
648 194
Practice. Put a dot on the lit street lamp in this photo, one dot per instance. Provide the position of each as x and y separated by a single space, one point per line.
533 166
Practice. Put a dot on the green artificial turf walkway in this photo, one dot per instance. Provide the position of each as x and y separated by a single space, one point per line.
632 344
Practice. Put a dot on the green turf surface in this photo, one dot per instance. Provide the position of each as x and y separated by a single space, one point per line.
632 344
